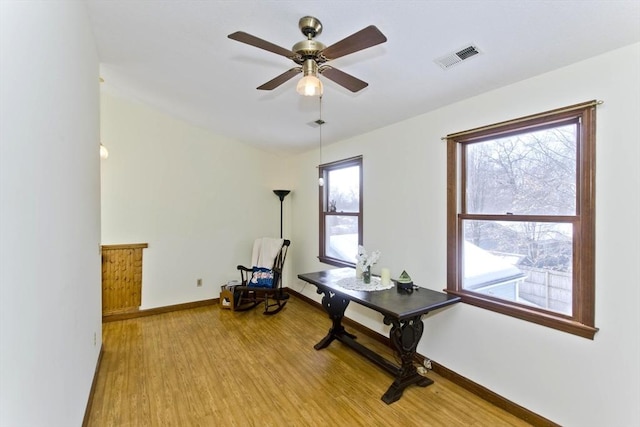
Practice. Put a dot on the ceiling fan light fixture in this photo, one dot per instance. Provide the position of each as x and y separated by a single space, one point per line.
309 86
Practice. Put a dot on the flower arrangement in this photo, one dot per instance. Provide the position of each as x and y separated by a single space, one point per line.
365 261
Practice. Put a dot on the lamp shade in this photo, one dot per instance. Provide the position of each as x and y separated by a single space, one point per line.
309 86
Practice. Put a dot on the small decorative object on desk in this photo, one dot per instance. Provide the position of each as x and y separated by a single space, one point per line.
404 282
385 276
365 261
366 275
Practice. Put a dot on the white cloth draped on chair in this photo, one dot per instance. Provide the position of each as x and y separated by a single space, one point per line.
265 250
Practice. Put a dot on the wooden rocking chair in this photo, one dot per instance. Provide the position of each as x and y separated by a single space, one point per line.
262 284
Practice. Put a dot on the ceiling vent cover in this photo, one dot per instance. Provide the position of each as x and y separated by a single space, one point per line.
462 54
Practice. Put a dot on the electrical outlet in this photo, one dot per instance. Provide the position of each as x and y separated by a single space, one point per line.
199 282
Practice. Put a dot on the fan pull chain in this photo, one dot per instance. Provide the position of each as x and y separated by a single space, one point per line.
320 123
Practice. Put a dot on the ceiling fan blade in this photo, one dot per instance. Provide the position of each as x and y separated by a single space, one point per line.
274 83
360 40
343 79
243 37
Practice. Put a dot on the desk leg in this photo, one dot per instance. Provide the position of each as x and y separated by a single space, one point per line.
335 307
405 336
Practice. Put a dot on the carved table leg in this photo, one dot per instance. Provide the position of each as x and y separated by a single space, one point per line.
405 336
335 307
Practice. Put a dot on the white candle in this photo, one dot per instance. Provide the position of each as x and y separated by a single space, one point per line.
358 271
385 276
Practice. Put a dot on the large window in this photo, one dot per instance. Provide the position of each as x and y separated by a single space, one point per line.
521 229
341 211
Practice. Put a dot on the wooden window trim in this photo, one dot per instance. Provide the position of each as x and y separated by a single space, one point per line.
322 209
582 321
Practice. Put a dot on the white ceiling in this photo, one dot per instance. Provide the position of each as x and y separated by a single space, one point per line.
175 56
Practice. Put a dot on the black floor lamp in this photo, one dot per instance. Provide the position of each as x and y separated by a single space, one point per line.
281 194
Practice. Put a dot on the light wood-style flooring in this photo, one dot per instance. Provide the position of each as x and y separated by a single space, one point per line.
212 367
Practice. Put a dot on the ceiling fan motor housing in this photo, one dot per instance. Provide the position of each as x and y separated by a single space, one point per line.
308 48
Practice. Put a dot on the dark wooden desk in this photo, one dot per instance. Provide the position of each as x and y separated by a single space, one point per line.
402 311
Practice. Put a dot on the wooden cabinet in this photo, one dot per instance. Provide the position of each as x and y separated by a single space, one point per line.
121 278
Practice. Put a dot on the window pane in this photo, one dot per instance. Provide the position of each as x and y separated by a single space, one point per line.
532 173
342 237
344 190
525 262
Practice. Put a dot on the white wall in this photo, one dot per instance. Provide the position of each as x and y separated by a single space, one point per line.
198 200
49 213
570 380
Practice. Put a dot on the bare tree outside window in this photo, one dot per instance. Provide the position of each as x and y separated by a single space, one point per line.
521 218
341 212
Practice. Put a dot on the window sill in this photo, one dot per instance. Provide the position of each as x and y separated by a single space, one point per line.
548 319
336 262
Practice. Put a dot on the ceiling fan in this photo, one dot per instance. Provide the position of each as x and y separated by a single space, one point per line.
311 56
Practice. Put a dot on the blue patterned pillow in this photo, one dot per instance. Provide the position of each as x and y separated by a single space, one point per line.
261 278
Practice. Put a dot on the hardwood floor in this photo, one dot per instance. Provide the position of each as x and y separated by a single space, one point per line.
208 366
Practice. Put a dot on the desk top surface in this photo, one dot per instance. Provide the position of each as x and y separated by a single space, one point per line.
390 302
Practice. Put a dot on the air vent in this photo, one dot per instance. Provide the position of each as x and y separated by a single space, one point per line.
457 57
